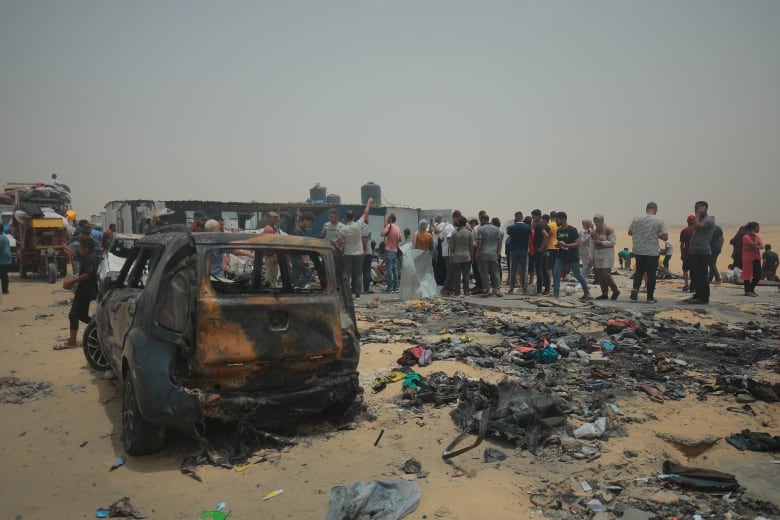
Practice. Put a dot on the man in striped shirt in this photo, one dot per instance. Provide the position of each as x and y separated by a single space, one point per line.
645 231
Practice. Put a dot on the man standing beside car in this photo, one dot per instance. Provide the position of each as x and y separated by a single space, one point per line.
5 259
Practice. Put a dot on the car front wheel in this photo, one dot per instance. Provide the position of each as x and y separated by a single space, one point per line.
139 436
92 350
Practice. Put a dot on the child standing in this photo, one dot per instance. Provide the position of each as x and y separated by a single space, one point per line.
85 292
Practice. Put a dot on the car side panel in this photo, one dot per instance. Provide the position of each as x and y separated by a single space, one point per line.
160 401
121 306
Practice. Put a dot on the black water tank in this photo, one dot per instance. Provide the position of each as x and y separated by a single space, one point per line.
373 191
332 198
318 193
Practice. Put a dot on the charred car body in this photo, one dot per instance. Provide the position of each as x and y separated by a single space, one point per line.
188 343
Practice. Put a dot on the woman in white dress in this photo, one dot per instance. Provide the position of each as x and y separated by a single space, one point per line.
602 242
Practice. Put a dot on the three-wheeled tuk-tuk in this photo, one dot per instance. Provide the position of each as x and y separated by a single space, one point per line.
40 248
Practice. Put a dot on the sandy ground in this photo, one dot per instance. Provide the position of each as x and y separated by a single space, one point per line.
57 450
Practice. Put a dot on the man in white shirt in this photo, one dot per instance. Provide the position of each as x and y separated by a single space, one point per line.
645 231
444 236
350 238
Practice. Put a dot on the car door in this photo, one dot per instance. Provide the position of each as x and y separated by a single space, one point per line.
122 306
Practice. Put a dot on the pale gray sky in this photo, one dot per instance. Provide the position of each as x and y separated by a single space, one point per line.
588 107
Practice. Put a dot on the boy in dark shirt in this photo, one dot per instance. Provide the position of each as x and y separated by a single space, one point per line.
85 292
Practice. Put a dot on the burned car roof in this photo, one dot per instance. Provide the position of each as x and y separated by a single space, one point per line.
266 239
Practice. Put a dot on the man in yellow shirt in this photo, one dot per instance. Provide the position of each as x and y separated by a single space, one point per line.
552 245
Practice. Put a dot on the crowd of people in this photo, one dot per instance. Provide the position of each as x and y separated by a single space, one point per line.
542 249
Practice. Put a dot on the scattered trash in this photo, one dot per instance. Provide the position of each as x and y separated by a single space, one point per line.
595 505
698 478
493 455
274 493
118 463
412 466
385 499
380 383
122 508
214 515
379 437
746 409
592 430
15 391
754 441
482 418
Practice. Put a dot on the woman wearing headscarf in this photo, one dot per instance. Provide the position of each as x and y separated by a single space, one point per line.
417 280
602 242
751 258
423 239
736 244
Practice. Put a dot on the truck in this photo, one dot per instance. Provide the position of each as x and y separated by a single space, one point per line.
39 227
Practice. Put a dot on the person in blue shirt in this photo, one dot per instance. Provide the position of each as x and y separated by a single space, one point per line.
5 260
519 234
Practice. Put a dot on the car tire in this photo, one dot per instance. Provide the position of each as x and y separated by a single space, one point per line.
22 269
92 349
139 436
52 272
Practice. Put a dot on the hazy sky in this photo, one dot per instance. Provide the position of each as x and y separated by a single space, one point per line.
594 106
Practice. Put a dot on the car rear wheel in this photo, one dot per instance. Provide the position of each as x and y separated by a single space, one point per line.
139 436
92 350
22 269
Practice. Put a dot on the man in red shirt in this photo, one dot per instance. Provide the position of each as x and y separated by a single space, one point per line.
392 236
685 244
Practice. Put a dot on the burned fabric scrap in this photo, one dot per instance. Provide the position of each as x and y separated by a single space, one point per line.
520 414
754 441
385 499
761 390
698 478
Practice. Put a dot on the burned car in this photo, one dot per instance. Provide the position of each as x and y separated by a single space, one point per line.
277 341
